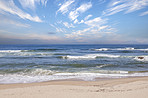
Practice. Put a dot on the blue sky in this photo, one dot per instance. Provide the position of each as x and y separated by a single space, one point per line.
73 21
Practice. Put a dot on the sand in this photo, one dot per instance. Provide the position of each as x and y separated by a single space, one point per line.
136 87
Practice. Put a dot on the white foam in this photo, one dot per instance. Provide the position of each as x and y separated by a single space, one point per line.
112 72
33 54
142 49
141 58
10 50
41 72
7 79
130 48
15 78
90 56
103 65
24 54
101 49
127 48
92 76
105 49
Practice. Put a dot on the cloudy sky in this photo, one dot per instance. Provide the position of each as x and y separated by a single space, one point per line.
73 21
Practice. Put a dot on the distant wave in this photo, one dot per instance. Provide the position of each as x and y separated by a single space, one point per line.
127 48
39 50
20 54
10 51
30 54
142 49
90 56
35 50
106 49
61 54
102 49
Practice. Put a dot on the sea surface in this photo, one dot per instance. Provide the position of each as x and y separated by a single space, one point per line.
37 63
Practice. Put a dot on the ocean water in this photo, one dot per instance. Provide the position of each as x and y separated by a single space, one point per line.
37 63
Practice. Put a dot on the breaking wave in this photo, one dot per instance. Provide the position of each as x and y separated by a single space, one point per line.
40 75
30 72
5 51
35 50
90 56
127 48
102 49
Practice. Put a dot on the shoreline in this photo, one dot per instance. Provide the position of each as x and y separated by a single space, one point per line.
112 88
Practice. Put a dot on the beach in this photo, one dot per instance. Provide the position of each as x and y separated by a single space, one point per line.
135 87
73 49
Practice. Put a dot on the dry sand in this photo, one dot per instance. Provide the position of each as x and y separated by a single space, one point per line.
115 88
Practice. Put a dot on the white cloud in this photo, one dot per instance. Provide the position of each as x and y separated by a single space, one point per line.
66 24
32 3
137 5
87 17
44 2
125 5
102 27
96 29
96 22
60 30
76 21
10 7
75 13
115 2
82 21
80 34
59 26
144 13
64 8
77 35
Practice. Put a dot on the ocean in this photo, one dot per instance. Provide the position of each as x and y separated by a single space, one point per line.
38 63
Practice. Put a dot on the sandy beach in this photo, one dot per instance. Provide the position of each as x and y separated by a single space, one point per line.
114 88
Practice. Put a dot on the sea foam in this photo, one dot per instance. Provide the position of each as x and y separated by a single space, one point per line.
102 49
126 48
18 78
10 51
90 56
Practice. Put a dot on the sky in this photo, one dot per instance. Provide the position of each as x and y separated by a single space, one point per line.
73 21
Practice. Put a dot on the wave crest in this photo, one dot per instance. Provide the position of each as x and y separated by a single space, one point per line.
90 56
5 51
102 49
